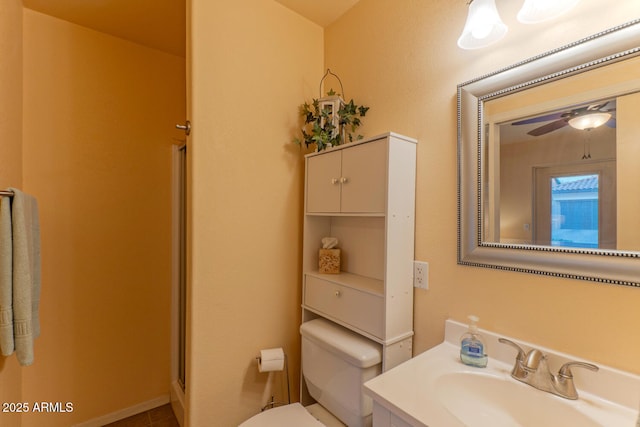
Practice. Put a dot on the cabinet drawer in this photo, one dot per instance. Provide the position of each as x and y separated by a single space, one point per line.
360 309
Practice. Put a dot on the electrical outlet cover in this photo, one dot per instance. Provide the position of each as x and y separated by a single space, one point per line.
421 274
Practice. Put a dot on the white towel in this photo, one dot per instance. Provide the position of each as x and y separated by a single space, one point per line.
6 278
25 229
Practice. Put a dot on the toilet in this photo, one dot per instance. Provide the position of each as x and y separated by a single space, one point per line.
335 364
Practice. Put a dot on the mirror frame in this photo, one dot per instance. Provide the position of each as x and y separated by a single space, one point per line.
605 266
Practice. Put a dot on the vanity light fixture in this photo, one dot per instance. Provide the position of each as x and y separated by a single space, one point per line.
589 121
483 26
534 11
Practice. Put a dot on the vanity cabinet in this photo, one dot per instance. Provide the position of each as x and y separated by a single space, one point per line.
363 193
382 417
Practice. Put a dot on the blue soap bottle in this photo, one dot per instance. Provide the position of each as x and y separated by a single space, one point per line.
472 347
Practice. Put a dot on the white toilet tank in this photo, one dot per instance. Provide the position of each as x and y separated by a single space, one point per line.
335 364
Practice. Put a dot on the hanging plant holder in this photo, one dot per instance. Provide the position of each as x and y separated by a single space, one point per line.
329 121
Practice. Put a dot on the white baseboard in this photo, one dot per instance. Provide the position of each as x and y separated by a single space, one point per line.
126 412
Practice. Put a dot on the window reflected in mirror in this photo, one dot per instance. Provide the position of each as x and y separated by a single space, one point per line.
574 211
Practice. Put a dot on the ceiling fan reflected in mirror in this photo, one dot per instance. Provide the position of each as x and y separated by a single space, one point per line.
585 117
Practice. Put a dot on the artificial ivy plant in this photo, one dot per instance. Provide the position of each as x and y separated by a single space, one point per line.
319 126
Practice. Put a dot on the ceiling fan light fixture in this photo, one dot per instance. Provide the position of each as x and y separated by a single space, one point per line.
534 11
483 26
589 121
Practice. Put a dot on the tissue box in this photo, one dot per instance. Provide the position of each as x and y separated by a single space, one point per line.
329 261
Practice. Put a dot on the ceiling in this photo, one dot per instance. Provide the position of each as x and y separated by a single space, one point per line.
322 12
152 23
161 24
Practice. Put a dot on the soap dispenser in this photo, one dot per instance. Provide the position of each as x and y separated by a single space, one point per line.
472 347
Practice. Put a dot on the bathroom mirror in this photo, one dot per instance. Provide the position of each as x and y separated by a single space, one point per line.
549 162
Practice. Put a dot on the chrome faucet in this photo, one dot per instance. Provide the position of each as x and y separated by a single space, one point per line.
532 369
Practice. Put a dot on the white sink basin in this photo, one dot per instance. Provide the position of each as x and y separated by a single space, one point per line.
435 389
481 400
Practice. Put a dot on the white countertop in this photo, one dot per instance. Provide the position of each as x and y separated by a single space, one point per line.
609 397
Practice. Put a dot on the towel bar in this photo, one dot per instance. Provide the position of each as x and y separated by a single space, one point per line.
6 193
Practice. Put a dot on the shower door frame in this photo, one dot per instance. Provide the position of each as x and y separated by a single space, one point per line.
178 297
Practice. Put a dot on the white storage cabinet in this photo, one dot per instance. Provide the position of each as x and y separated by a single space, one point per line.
363 193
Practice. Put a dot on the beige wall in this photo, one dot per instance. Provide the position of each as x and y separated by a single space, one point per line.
253 62
628 148
10 160
11 90
401 59
98 130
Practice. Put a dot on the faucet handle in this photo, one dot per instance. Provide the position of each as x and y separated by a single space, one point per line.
517 372
563 382
520 356
565 370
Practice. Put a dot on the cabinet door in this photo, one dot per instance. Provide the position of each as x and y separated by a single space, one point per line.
397 422
323 183
364 173
382 417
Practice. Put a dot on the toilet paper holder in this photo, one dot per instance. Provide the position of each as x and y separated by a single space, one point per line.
273 403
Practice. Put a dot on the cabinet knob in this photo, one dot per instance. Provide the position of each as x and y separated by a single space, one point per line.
344 180
334 181
338 293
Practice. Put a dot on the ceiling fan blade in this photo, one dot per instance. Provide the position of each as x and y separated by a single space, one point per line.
550 127
546 118
597 107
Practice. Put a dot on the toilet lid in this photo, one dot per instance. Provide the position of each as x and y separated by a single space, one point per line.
293 415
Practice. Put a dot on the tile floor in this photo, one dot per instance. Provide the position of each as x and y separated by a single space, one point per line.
161 416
